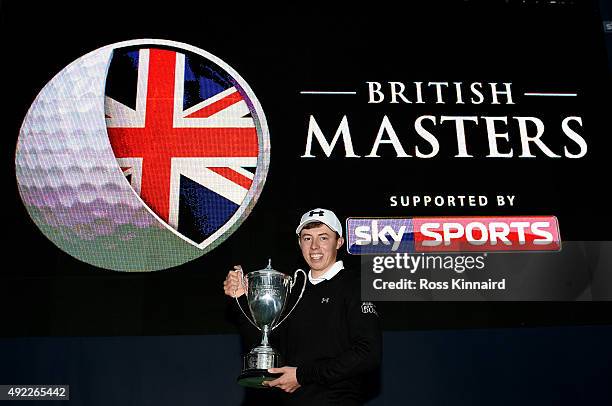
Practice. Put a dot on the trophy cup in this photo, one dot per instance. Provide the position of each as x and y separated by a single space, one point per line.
266 291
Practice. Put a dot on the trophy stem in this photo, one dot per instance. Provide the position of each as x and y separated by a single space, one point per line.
264 338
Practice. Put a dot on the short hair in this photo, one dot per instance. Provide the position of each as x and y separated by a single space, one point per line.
316 224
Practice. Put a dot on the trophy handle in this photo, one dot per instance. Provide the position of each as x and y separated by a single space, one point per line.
244 282
293 282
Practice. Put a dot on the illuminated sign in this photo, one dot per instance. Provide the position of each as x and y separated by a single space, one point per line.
142 155
452 234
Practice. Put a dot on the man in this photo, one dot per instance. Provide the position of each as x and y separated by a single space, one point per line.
332 339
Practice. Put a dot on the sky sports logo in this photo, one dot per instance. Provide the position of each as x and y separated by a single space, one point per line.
452 234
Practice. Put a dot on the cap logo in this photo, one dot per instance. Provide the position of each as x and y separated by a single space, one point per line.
316 213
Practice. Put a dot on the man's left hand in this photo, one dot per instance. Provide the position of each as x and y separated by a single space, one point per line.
287 381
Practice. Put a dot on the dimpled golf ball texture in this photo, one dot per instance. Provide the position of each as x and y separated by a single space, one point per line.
72 186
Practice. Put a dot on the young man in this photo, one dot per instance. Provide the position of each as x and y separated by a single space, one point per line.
332 339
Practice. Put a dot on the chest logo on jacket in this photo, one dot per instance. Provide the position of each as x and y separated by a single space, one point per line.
368 307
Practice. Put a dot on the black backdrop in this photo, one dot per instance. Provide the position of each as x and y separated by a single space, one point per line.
47 292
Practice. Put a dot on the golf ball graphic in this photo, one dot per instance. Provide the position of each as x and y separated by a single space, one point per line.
142 155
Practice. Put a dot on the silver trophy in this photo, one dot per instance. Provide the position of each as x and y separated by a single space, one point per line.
267 291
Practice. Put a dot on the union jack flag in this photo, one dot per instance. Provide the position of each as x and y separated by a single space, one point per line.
183 133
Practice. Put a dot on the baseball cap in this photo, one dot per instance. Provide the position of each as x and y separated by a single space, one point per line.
326 217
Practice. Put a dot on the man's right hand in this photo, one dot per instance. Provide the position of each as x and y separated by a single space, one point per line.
232 285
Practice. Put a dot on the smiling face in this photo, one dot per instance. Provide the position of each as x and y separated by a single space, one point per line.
320 246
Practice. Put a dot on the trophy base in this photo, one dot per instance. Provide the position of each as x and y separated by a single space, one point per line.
255 366
254 378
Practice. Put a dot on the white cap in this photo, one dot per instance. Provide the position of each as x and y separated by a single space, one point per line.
326 217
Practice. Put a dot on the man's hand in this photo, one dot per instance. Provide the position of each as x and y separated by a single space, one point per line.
232 285
287 381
